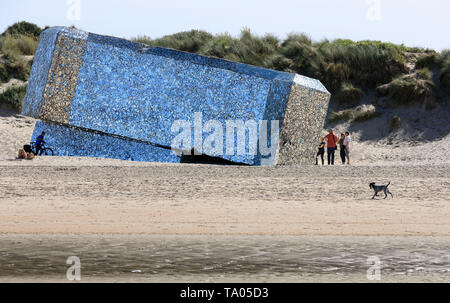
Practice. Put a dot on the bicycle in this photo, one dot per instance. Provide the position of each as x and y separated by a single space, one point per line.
44 150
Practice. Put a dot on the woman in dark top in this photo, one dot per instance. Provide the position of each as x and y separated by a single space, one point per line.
342 148
321 151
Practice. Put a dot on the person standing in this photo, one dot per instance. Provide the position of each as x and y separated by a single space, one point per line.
321 151
342 148
347 142
332 140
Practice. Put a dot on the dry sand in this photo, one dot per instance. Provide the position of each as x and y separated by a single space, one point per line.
83 195
202 199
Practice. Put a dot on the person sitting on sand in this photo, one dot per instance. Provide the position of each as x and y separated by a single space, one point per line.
39 142
347 141
332 140
342 148
321 151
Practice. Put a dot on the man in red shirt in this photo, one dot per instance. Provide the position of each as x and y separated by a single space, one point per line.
332 140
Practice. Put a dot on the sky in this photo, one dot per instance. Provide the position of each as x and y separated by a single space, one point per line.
411 22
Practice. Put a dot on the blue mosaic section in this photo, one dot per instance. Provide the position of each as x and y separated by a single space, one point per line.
193 58
135 94
39 72
106 89
310 83
69 141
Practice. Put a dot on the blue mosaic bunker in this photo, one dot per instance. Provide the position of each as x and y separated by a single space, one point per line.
84 81
70 141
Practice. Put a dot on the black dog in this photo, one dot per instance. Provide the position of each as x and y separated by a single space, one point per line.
382 188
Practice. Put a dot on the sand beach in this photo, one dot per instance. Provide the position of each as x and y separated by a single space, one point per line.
134 214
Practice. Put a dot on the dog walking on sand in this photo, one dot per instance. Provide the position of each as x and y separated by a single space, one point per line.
380 188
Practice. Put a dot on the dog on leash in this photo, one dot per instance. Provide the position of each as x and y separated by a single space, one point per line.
380 188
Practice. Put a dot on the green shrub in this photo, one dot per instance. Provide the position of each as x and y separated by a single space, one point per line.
427 61
190 41
247 49
333 75
370 63
365 115
18 68
4 75
444 76
279 62
366 64
343 115
349 95
23 28
13 97
412 89
305 57
424 74
395 123
143 39
359 114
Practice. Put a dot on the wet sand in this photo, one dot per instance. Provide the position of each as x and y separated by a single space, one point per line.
142 258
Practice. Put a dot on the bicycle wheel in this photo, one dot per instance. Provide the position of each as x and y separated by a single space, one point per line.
46 152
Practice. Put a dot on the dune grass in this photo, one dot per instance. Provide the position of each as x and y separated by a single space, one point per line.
349 95
427 61
359 114
411 89
343 115
365 116
14 46
4 75
13 97
365 64
23 29
444 75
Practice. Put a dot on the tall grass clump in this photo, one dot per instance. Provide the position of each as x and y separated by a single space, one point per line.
18 45
18 68
23 28
370 63
349 95
190 41
4 75
444 76
247 48
304 56
417 88
13 97
364 113
359 114
13 48
364 64
343 115
429 61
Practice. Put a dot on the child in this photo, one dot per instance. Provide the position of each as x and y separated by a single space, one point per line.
321 151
